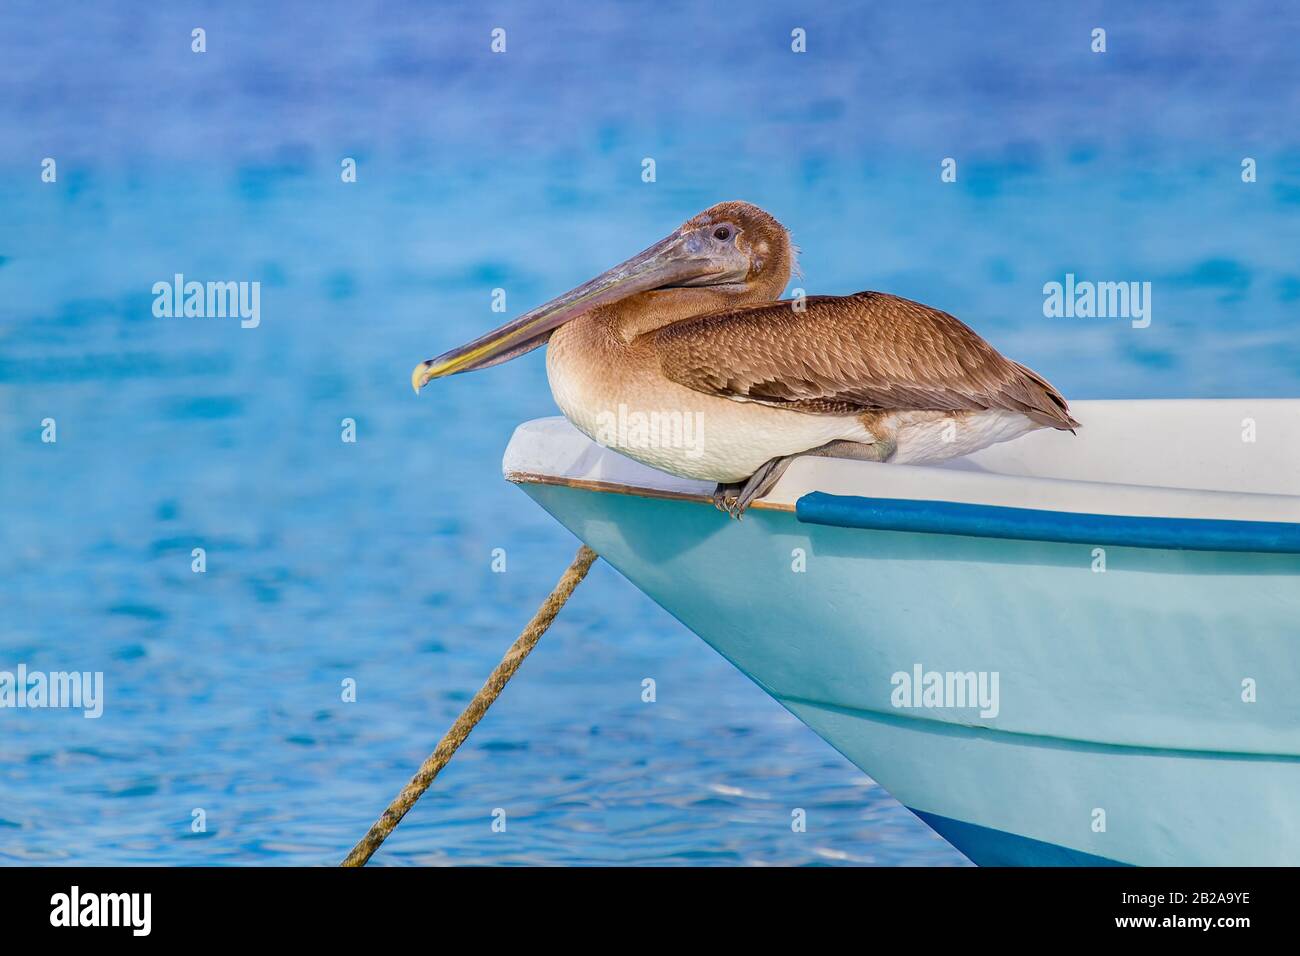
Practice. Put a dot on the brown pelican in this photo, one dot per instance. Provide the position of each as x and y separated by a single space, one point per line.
690 330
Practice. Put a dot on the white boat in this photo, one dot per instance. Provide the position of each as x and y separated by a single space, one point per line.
1059 650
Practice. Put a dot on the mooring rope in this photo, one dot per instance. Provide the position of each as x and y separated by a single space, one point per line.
474 712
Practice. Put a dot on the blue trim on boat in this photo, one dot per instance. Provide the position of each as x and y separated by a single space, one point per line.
988 847
1028 524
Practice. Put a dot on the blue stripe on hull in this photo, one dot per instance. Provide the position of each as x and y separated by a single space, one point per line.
988 847
1031 524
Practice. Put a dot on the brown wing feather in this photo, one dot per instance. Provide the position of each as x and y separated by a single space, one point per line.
868 351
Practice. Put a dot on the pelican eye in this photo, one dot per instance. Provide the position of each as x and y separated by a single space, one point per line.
722 232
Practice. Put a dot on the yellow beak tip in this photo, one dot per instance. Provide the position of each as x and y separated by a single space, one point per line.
418 378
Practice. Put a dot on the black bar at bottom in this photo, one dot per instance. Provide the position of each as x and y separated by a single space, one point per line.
332 906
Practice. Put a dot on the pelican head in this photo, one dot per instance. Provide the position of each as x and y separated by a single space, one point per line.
733 248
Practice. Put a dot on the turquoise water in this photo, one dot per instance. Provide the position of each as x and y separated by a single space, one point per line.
372 560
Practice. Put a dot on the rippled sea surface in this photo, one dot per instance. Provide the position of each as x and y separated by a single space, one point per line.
372 560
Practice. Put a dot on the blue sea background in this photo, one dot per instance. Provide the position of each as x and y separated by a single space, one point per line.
523 171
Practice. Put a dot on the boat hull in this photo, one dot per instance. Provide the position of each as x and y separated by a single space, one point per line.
1146 698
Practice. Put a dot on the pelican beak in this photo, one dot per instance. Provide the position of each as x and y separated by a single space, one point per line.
685 258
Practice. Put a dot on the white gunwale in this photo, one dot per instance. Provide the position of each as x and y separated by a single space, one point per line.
1168 458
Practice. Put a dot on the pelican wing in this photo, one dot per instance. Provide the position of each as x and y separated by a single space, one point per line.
846 354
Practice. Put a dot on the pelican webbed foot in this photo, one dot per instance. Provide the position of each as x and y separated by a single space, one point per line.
735 497
725 495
